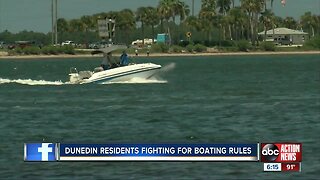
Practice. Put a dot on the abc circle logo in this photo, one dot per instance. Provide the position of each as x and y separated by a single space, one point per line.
270 152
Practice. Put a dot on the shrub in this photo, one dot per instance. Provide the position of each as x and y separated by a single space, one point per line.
230 49
313 43
176 49
197 42
156 48
31 50
11 52
53 50
160 47
210 43
268 46
18 50
184 43
243 45
164 47
45 50
200 48
227 43
59 49
189 48
67 50
50 50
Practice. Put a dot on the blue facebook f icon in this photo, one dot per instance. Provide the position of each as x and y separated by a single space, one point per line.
39 152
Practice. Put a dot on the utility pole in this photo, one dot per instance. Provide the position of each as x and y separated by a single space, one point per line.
52 23
192 7
54 17
56 22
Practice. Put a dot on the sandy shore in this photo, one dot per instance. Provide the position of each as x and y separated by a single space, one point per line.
4 56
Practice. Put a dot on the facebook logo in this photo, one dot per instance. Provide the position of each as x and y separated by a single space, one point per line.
39 152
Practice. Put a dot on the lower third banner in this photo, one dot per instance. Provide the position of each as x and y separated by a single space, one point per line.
157 152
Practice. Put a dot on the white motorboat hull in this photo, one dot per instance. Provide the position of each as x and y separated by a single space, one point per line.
119 74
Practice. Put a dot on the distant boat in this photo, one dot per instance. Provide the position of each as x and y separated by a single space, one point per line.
114 72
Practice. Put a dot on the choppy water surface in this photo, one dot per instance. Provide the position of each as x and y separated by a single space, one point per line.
201 100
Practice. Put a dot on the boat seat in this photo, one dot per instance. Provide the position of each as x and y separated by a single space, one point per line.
98 69
85 74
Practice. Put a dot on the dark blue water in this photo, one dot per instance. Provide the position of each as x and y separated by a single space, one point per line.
205 100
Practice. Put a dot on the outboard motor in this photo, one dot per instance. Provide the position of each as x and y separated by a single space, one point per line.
78 77
75 78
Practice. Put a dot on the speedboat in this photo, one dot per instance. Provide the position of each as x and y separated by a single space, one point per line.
115 72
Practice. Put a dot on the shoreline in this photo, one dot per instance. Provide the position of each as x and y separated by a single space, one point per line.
164 55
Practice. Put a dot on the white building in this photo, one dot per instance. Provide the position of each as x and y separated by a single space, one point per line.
285 36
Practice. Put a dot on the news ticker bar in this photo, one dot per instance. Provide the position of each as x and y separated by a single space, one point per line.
140 152
265 152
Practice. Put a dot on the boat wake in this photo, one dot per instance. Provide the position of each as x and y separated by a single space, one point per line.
30 82
152 80
58 83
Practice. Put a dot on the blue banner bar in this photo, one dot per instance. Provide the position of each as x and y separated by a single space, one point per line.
224 152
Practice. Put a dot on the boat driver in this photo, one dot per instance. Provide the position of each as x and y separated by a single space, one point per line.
124 59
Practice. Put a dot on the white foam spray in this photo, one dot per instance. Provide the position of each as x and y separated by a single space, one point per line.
30 82
152 80
168 67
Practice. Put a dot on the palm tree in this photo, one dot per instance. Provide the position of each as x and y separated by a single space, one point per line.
76 25
170 9
271 7
141 16
224 6
290 23
165 10
152 19
206 16
309 22
63 25
278 21
125 22
253 9
318 20
192 22
238 19
267 19
88 22
227 22
219 22
181 9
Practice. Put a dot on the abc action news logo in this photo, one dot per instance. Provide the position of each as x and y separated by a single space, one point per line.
281 152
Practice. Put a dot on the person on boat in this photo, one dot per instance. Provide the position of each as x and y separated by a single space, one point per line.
106 63
104 66
124 59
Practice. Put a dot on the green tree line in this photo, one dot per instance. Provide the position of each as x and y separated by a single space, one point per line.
218 21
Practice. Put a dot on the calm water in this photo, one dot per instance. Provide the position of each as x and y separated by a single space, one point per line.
205 100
